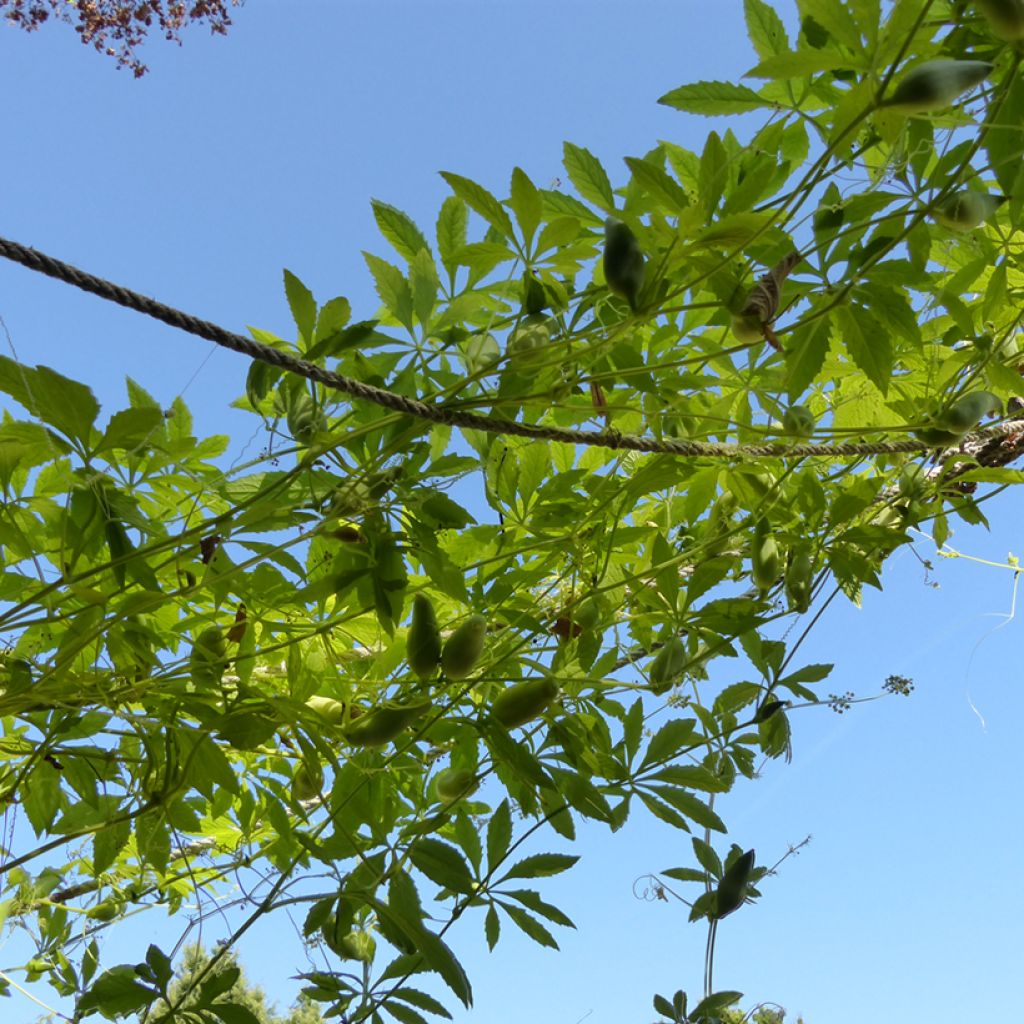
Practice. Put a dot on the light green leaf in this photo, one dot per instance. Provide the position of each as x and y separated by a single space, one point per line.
588 177
765 28
392 287
451 230
714 98
400 230
526 203
868 343
540 865
302 305
477 198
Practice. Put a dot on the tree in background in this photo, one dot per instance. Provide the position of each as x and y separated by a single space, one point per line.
693 410
118 27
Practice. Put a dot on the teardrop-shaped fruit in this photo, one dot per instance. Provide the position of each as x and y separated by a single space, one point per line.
966 209
667 667
967 412
587 613
463 648
516 705
307 782
103 911
1005 17
482 351
423 643
623 261
732 889
767 709
798 421
529 341
453 784
799 580
747 329
935 84
384 724
328 708
765 559
208 658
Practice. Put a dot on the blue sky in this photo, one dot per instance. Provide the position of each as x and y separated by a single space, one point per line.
238 156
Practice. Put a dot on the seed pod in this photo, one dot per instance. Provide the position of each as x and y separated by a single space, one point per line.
304 419
104 911
463 648
482 351
535 299
423 643
798 421
667 667
307 782
966 209
208 658
516 705
799 580
1005 17
328 708
384 724
765 558
935 84
623 261
732 889
767 709
453 784
528 342
967 412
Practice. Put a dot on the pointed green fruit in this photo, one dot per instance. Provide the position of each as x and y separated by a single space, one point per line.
935 84
732 889
1005 17
667 667
965 210
463 648
481 351
747 329
623 261
535 299
384 724
516 705
328 708
208 659
307 782
529 341
453 784
799 580
798 421
967 412
423 643
765 558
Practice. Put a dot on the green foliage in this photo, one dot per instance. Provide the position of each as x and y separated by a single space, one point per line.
223 660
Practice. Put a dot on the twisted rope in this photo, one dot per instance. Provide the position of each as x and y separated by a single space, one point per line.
436 413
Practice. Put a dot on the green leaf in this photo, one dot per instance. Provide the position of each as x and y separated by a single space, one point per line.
131 429
800 64
836 19
532 901
108 843
715 1002
868 343
492 927
477 198
531 926
65 404
451 230
442 864
392 287
422 1000
694 808
115 993
499 835
540 865
302 305
658 183
234 1013
671 738
526 203
714 98
588 177
765 29
400 230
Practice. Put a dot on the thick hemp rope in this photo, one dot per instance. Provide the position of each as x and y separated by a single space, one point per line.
438 413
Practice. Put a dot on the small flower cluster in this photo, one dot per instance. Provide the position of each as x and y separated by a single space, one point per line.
899 684
840 702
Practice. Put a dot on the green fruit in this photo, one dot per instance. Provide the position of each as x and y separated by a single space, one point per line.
328 708
423 643
482 351
529 340
623 261
667 667
516 705
453 784
307 782
105 911
732 889
965 210
463 648
798 421
767 709
1005 17
747 329
935 84
799 580
967 411
535 299
304 419
587 613
765 559
936 437
384 724
208 658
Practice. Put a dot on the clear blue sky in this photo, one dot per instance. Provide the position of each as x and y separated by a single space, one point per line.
238 156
